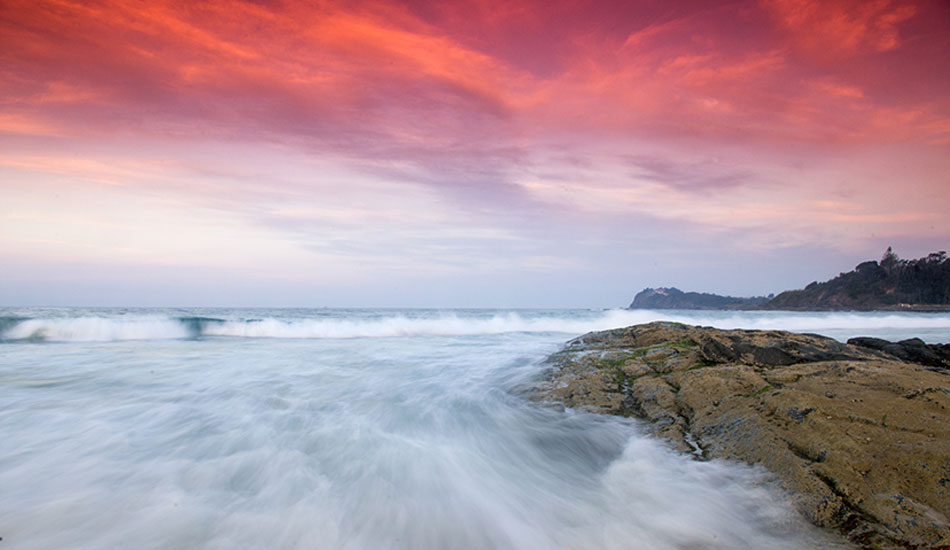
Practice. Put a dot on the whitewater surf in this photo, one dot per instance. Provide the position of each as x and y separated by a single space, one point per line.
359 429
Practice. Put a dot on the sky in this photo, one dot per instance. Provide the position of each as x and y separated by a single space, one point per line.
463 154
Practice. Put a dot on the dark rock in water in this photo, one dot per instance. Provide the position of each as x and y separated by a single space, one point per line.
913 350
859 436
674 298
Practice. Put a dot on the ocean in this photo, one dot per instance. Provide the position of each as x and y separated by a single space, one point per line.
357 429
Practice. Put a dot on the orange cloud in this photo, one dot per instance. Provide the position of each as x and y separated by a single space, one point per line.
232 67
14 123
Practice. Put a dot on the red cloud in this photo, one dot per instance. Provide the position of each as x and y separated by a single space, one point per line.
391 84
371 83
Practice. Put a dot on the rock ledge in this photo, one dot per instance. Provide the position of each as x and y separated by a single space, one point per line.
859 437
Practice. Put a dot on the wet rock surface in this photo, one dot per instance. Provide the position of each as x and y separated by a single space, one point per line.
913 350
858 437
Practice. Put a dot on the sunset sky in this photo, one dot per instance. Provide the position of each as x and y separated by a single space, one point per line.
484 153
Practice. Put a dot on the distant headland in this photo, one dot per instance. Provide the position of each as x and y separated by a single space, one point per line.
674 298
890 284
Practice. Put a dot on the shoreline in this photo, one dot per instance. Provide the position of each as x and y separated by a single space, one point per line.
913 308
860 438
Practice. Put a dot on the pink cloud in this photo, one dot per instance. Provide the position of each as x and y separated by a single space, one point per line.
842 28
709 75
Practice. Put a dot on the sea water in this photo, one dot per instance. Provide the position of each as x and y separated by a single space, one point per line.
356 429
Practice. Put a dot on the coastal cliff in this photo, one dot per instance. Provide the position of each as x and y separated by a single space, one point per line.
859 437
674 298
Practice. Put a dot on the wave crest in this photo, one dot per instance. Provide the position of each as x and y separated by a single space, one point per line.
411 324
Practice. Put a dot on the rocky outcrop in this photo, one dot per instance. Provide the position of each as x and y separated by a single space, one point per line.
913 350
860 438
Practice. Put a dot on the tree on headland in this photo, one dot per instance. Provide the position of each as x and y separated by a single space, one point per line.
890 260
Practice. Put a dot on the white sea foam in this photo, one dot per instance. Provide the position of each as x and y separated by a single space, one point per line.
454 325
355 444
95 329
399 325
930 327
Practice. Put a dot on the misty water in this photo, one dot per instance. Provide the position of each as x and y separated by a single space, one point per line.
356 429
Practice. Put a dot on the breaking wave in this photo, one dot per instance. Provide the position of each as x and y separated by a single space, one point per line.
409 323
95 329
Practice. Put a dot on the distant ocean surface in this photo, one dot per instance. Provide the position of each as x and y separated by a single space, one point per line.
356 429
